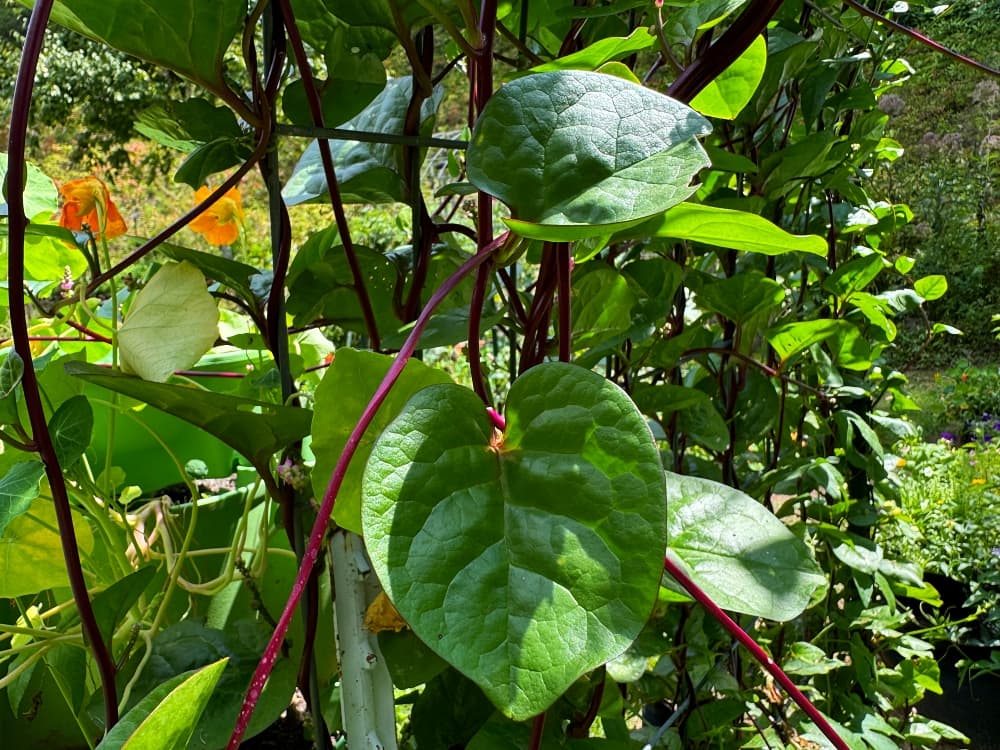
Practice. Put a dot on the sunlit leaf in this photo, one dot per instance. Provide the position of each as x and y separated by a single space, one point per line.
581 149
171 323
724 227
167 717
31 556
730 91
738 551
600 52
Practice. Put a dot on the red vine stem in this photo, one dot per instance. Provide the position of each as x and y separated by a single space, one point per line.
480 90
267 661
755 651
18 222
733 43
537 730
316 111
925 40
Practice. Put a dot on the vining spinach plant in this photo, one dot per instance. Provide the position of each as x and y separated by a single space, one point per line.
493 486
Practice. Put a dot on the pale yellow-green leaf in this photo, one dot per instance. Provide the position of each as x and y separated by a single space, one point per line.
171 324
31 557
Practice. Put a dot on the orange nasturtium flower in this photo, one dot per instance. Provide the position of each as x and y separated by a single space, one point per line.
87 201
222 221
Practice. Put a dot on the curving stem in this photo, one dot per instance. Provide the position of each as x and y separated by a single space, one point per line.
18 222
318 533
755 651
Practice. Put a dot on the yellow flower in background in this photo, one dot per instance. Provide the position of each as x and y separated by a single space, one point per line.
221 222
86 201
976 482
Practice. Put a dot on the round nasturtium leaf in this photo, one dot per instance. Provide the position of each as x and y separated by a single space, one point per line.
572 149
524 559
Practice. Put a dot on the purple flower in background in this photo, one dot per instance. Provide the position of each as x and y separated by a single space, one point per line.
947 436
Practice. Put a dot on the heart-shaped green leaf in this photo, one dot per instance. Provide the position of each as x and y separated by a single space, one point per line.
525 559
575 148
172 322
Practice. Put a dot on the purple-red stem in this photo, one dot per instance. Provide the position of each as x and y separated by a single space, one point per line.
497 418
564 264
473 349
316 111
537 730
481 89
925 40
18 222
266 663
738 37
755 651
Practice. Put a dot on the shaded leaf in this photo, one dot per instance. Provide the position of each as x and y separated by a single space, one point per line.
18 488
342 395
70 428
366 172
255 429
187 36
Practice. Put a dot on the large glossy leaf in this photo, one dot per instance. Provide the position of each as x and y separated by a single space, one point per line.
31 556
172 322
738 551
166 718
187 36
366 172
341 397
524 559
575 148
724 227
254 428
